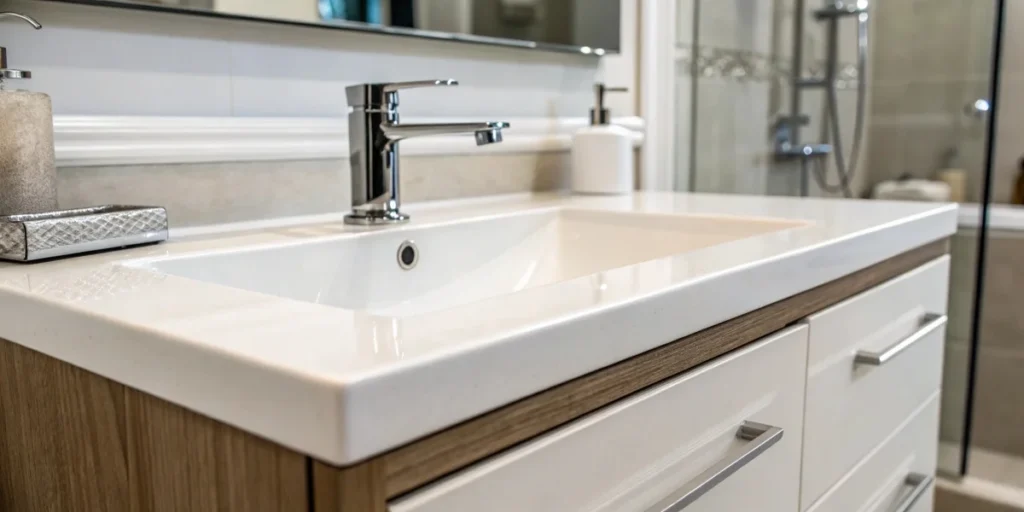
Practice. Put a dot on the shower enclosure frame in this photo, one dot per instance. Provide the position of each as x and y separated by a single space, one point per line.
995 74
670 114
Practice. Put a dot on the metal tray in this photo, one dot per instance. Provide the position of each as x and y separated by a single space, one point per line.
37 236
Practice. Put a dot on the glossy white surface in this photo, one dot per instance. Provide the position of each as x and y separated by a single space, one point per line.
878 482
460 262
344 384
639 451
852 408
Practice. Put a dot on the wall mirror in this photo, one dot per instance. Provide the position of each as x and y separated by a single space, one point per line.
578 26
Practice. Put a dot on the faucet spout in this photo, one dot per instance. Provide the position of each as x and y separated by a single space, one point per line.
374 133
485 133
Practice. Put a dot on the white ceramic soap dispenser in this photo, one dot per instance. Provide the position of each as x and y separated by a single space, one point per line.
602 153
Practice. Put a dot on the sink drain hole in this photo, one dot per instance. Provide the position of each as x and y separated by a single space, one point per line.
408 255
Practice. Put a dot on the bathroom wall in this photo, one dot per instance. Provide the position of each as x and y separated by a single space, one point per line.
1009 136
744 51
998 417
221 192
924 75
97 61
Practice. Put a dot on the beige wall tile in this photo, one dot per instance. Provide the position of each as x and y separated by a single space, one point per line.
962 282
745 25
1009 143
887 158
198 194
998 419
954 390
431 178
940 71
1002 308
949 500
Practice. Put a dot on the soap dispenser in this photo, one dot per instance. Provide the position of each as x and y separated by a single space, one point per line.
28 174
602 153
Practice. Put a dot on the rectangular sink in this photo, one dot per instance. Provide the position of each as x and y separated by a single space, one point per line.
460 262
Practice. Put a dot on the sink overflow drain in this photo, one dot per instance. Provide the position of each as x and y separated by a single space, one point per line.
408 255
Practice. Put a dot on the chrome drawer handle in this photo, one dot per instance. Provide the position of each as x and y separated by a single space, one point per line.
929 323
920 483
761 438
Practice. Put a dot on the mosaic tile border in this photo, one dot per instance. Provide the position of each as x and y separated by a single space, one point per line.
748 66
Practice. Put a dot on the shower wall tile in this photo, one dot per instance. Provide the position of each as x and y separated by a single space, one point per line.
999 389
1009 143
887 158
1013 41
933 96
962 280
923 74
937 52
954 390
737 24
1002 324
952 499
734 118
732 153
888 98
998 419
889 31
927 146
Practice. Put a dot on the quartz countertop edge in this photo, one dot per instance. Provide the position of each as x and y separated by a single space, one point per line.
302 376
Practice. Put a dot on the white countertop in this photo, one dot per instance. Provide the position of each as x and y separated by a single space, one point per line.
342 385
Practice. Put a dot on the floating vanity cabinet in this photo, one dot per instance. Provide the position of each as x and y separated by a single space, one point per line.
896 474
874 360
674 445
826 401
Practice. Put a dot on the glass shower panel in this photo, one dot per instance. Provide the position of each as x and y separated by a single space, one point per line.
738 89
923 122
923 117
996 431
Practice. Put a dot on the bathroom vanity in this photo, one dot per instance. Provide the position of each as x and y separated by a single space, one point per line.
656 352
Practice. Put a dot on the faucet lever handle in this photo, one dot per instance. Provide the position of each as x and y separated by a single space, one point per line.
386 94
398 86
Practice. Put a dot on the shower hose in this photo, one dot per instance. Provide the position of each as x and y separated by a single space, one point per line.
845 167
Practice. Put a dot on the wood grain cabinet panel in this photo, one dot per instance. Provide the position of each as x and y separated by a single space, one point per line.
73 441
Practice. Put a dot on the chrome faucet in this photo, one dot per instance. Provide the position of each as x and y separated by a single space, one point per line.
374 132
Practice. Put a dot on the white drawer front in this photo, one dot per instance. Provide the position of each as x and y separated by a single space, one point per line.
926 503
854 403
886 480
640 451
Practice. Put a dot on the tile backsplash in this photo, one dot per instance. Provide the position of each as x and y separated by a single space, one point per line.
210 193
174 67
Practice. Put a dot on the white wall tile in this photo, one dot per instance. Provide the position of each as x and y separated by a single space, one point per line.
94 60
96 71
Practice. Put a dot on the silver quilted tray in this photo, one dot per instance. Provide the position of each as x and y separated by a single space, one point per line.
37 236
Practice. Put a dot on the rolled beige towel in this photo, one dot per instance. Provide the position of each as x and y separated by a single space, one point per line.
28 172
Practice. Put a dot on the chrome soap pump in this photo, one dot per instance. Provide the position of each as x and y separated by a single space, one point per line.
28 172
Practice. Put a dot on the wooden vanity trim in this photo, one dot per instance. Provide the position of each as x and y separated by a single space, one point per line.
71 440
423 461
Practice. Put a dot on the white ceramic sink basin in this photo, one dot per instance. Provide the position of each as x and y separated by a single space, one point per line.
308 333
463 261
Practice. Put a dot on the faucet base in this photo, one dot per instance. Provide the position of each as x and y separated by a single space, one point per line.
376 217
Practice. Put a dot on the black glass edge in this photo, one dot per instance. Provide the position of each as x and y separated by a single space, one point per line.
979 271
365 28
